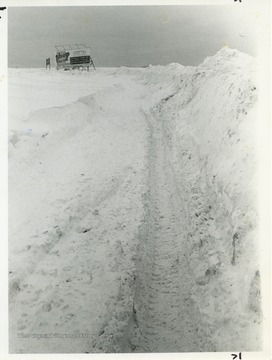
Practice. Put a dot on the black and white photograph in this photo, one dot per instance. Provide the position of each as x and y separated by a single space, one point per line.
135 178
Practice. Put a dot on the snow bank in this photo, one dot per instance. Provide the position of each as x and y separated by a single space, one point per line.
44 89
76 175
209 118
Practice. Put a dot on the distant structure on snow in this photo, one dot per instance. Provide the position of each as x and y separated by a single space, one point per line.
73 56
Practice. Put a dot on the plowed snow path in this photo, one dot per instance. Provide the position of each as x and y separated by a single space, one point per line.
163 319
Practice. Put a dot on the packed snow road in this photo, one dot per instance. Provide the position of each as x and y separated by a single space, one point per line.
126 233
163 316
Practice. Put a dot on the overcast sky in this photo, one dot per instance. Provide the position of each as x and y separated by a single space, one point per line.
129 35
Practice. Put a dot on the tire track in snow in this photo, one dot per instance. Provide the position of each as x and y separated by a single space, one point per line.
163 318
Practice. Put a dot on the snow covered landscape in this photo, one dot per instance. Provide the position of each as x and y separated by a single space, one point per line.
133 208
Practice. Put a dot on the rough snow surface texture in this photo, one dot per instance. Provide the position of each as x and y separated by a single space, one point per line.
133 212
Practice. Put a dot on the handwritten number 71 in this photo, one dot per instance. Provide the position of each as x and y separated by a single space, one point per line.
235 356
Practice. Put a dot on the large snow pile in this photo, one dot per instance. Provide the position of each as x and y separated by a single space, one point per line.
210 122
133 209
